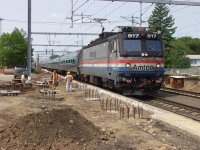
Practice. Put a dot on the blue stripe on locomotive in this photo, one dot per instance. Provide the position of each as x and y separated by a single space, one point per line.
113 72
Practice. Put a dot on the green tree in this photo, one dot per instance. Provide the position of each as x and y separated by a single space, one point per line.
13 48
160 20
192 43
175 56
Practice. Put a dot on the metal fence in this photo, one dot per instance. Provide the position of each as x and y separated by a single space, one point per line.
177 71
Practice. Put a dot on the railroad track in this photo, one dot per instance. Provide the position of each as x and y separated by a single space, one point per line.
181 109
180 92
175 107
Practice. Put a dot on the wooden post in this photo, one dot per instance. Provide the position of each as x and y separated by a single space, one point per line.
106 104
110 104
142 112
133 109
123 111
128 110
138 112
115 104
89 93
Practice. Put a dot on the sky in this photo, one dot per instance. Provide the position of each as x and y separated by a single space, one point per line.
54 16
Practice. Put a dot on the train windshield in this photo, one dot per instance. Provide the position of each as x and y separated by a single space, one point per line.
153 45
132 45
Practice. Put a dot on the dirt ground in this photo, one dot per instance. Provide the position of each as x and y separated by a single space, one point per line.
70 122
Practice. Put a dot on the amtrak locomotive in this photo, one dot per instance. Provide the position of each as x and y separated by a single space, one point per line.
130 61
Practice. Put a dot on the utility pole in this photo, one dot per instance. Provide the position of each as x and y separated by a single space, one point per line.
131 19
37 62
1 26
140 14
29 41
72 15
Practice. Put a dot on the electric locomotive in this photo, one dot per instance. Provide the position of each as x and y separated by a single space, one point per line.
130 61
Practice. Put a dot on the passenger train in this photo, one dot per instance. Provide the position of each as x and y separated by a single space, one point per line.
130 61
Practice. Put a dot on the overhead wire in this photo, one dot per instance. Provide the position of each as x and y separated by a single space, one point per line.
146 9
114 10
112 22
75 11
88 7
104 7
191 31
180 9
191 25
181 17
75 3
40 22
81 6
63 22
106 14
67 17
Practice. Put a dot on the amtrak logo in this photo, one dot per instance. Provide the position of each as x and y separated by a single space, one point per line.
144 67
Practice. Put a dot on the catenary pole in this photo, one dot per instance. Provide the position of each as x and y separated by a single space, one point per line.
29 40
1 19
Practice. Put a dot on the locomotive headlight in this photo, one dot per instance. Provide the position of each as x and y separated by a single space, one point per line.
158 65
146 54
142 54
128 65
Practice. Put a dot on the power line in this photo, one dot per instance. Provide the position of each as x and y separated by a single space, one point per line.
102 9
59 33
190 25
179 9
58 45
75 3
182 33
49 51
64 20
88 7
35 22
108 14
183 17
114 10
81 6
171 2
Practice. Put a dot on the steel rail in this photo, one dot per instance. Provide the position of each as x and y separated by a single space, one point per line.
175 107
181 92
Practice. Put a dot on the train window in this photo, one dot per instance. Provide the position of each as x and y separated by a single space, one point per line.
132 45
111 45
115 45
153 45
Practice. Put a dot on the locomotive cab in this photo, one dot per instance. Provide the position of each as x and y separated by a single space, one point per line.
141 44
140 65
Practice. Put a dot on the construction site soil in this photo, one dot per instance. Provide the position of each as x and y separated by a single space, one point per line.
69 122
